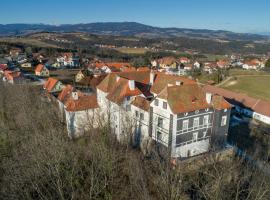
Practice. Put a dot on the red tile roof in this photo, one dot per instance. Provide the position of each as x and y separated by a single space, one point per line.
121 90
184 98
141 103
108 82
92 80
11 75
138 76
39 68
65 93
257 105
143 69
219 103
50 84
84 102
162 80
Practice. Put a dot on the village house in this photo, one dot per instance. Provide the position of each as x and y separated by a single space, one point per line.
41 70
244 105
165 62
148 107
14 52
53 85
68 59
82 74
183 124
79 110
254 64
38 57
26 65
223 64
209 67
13 77
184 60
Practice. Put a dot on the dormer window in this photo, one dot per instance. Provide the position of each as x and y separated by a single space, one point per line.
165 105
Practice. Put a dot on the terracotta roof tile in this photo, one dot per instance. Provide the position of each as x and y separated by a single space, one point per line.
50 84
84 102
121 90
65 93
218 102
39 68
11 75
257 105
184 98
142 103
162 80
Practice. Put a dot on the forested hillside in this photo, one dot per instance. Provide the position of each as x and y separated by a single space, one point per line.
38 161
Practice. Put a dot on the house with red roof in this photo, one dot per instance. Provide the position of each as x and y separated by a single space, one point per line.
244 105
253 64
53 85
68 59
184 60
41 70
80 111
171 110
13 77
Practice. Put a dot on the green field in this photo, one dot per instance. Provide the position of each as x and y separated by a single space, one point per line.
257 86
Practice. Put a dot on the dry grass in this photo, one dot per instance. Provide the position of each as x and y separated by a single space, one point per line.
256 86
132 50
28 41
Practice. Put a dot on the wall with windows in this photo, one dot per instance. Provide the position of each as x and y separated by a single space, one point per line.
221 126
141 126
192 132
161 121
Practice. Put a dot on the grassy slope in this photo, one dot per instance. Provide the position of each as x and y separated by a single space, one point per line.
27 41
256 86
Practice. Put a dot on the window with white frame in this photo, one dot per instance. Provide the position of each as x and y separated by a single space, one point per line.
205 119
185 124
223 120
195 136
196 122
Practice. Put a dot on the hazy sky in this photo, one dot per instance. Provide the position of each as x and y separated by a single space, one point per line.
234 15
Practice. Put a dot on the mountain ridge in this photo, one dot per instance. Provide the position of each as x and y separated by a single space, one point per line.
128 29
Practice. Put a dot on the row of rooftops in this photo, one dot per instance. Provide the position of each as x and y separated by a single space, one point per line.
182 94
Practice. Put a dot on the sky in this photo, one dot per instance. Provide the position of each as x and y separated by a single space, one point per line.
251 16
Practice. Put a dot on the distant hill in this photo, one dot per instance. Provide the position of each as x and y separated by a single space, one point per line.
129 29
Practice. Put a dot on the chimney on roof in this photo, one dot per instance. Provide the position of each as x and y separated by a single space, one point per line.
170 85
178 83
208 97
117 78
152 77
75 95
131 84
